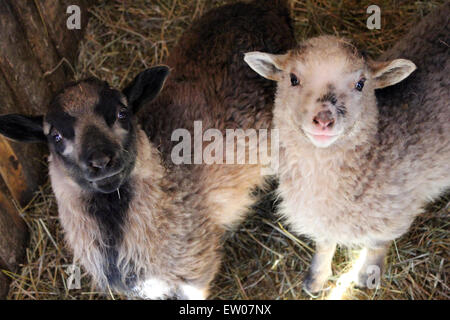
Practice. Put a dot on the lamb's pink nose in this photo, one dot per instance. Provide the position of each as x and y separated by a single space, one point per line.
323 120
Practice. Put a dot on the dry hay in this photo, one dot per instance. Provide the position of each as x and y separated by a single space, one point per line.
262 260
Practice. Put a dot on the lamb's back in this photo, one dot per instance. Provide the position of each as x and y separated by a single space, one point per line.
209 79
415 114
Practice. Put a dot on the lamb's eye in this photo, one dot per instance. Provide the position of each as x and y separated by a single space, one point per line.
294 80
122 114
360 84
57 137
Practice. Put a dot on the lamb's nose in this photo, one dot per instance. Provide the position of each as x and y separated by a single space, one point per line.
99 160
323 120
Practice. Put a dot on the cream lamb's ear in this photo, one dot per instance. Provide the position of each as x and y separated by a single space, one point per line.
385 74
268 65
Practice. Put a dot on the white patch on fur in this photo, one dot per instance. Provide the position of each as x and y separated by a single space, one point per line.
153 289
46 128
193 293
68 150
121 132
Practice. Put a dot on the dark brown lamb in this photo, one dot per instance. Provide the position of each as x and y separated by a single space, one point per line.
210 82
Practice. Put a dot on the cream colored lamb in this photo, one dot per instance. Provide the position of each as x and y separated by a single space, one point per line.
352 172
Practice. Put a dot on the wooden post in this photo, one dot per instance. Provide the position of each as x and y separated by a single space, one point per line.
35 52
12 240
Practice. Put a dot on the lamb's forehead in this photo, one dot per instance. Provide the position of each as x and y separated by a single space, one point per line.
328 54
81 98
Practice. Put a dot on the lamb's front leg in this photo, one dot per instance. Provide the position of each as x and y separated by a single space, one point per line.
373 267
320 269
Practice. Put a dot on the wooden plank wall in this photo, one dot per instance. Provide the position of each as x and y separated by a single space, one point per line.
34 43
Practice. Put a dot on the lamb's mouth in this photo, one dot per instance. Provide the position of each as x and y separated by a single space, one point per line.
109 183
322 140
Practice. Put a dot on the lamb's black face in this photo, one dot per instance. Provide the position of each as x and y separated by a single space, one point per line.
91 129
94 138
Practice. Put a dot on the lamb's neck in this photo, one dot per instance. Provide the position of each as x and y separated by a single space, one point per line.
148 167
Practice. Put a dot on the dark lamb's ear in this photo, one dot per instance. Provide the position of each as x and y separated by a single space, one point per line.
22 128
146 86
